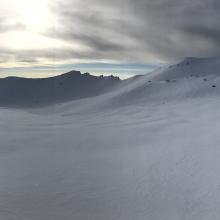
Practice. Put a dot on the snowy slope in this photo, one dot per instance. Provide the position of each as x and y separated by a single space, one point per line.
188 79
146 149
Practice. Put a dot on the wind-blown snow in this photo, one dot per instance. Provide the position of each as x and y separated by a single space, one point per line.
147 149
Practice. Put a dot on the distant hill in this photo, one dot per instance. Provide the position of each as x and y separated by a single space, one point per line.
25 92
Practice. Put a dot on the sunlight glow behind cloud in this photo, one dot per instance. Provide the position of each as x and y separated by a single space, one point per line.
61 32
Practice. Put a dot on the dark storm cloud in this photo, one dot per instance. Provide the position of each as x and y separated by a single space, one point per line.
142 29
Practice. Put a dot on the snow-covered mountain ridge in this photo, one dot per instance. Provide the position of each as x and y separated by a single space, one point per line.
191 77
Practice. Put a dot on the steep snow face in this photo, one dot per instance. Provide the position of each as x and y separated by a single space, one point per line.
20 92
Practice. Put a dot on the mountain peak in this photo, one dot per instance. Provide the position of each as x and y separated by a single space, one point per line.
71 73
195 60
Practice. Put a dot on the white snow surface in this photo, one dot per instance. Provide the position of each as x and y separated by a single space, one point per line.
147 149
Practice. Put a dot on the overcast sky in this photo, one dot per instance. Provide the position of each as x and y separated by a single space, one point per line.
48 36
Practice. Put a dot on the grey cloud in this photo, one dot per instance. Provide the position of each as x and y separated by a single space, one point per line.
37 56
127 30
94 41
5 26
142 29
